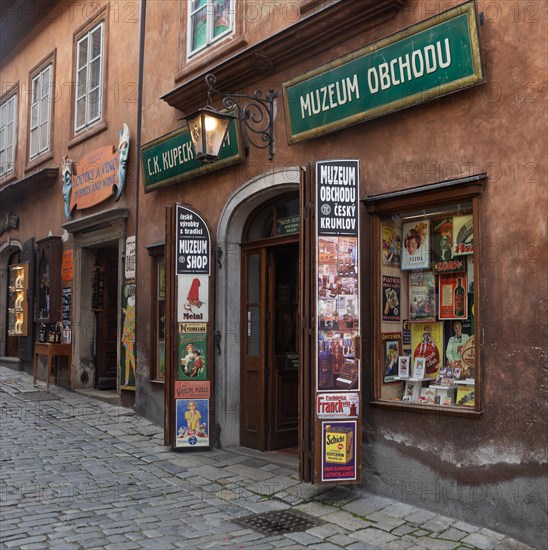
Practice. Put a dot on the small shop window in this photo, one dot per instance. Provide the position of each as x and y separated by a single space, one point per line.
425 299
208 22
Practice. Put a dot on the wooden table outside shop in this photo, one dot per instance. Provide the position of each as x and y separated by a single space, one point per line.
52 351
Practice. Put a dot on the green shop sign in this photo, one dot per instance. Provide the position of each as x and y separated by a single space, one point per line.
170 158
433 58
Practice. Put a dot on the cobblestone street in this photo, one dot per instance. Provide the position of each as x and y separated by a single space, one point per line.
80 473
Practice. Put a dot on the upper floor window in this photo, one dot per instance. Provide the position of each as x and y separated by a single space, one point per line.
8 128
40 111
208 22
89 77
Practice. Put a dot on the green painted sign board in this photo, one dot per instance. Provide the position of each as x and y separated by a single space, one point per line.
170 158
433 58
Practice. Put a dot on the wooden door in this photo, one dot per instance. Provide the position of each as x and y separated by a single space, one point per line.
269 407
253 349
107 323
282 374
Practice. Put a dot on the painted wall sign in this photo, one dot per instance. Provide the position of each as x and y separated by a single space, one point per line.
66 307
428 60
127 349
170 158
193 244
97 176
339 451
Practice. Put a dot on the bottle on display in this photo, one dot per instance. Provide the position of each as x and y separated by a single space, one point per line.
326 368
338 355
57 337
42 333
51 335
459 299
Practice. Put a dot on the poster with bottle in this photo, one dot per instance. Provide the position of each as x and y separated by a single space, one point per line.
453 296
427 342
443 260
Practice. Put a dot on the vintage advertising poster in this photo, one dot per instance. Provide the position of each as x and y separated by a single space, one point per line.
463 235
443 260
453 296
193 298
391 345
391 298
427 342
192 353
422 296
391 244
457 335
127 351
192 390
337 405
406 337
193 244
338 313
131 258
339 451
416 245
192 423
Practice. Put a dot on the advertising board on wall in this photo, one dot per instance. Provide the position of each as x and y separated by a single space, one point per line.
338 317
192 373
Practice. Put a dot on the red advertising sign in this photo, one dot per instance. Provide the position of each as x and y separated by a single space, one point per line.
199 389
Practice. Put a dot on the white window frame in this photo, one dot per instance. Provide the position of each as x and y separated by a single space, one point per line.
210 39
40 111
83 67
8 133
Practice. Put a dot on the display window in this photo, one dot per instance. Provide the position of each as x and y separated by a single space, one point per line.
425 299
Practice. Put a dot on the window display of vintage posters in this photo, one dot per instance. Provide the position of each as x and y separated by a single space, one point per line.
453 296
338 275
422 296
391 298
463 235
391 244
192 422
391 345
127 350
339 451
427 342
416 245
442 247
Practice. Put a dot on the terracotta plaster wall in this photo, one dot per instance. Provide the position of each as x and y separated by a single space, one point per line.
43 211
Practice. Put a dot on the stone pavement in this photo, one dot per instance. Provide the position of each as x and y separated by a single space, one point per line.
80 473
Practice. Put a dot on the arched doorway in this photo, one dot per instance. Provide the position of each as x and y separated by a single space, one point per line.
239 209
269 359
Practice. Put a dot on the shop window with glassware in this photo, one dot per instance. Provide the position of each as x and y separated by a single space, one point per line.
426 302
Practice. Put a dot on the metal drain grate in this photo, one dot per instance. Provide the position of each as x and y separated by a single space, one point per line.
279 523
37 396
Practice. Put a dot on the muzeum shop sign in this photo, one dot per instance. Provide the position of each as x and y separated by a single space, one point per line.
433 58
